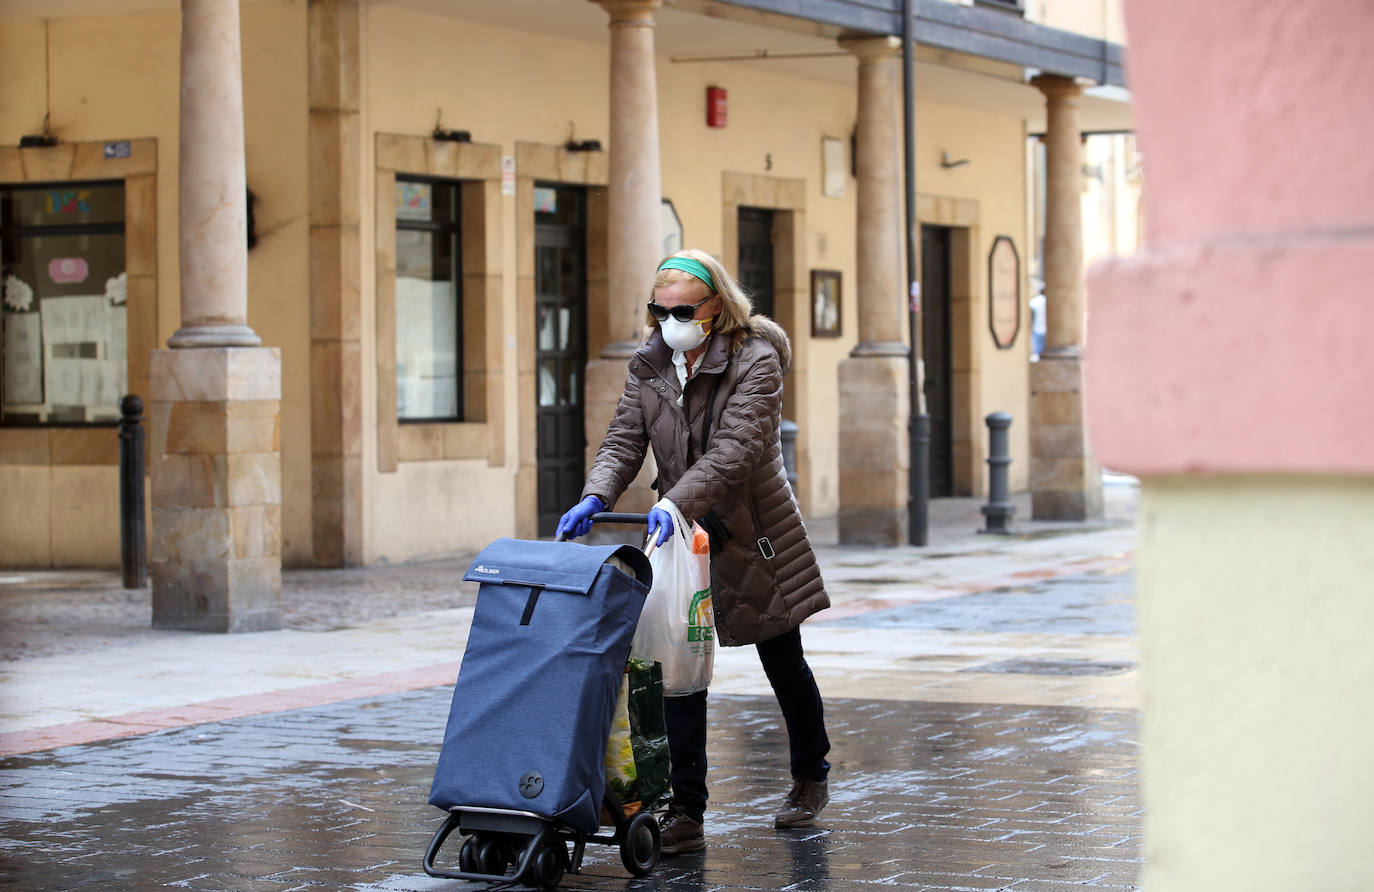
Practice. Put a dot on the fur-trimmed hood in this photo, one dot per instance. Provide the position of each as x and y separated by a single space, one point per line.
770 331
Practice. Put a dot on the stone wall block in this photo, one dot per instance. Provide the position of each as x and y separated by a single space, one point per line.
401 153
191 595
1049 407
335 264
465 440
421 442
25 446
253 478
85 446
188 481
196 427
156 420
255 592
874 450
1056 376
191 534
326 410
1063 472
48 162
870 488
28 534
208 374
256 530
1067 504
11 165
333 36
252 426
1057 441
140 226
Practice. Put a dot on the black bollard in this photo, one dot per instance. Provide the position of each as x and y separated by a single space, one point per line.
133 532
788 434
999 509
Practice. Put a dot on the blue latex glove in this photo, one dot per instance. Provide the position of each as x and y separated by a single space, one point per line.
660 521
578 520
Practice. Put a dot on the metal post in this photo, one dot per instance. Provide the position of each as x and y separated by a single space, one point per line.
999 510
918 427
788 434
133 532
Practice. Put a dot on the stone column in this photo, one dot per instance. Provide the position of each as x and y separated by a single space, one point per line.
1066 483
216 395
874 381
634 194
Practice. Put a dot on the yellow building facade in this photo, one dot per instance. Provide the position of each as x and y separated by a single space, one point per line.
341 105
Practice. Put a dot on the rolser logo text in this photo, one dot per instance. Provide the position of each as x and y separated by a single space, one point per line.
487 570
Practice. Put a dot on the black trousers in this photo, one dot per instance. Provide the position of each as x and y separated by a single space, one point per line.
800 700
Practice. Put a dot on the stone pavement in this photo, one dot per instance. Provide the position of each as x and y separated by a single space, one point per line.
981 693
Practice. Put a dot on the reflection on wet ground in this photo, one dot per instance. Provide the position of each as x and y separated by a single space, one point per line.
1090 604
924 796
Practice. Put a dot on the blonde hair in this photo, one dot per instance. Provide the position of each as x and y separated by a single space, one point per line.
735 313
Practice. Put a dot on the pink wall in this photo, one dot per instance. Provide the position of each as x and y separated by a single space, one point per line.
1241 339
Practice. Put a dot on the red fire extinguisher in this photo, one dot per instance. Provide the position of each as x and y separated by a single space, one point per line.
716 107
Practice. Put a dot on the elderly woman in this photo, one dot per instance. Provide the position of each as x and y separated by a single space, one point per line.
705 392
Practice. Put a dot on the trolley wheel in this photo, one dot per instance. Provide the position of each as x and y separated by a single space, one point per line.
491 857
467 855
549 864
640 845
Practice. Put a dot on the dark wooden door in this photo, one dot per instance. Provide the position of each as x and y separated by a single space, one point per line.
756 257
560 350
935 350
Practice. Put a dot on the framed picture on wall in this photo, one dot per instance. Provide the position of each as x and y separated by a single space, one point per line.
825 303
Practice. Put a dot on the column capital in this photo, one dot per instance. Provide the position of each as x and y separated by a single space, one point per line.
872 49
630 12
1056 86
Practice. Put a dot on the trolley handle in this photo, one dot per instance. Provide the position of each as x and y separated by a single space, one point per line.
619 517
622 517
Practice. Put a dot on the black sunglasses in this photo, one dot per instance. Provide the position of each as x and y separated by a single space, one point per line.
681 313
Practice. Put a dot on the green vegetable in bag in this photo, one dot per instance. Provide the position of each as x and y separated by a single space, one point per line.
637 752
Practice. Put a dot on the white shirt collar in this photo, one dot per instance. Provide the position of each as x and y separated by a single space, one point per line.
680 366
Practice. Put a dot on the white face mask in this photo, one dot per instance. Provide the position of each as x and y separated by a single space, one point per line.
684 336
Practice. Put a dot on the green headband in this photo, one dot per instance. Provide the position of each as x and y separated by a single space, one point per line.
694 267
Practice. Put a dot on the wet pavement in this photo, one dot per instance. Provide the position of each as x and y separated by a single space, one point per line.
923 796
982 697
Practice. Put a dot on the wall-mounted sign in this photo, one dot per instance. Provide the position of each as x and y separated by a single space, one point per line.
117 149
1004 292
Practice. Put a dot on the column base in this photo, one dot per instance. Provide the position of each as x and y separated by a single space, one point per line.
215 453
214 336
1065 480
874 456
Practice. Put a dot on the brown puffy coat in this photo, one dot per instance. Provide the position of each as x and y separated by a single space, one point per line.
739 475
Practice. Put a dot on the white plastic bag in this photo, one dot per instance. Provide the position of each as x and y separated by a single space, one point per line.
677 625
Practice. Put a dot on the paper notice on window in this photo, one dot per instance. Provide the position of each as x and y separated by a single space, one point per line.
92 382
23 359
63 382
119 334
76 320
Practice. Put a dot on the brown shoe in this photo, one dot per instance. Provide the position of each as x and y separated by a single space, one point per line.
679 833
804 802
